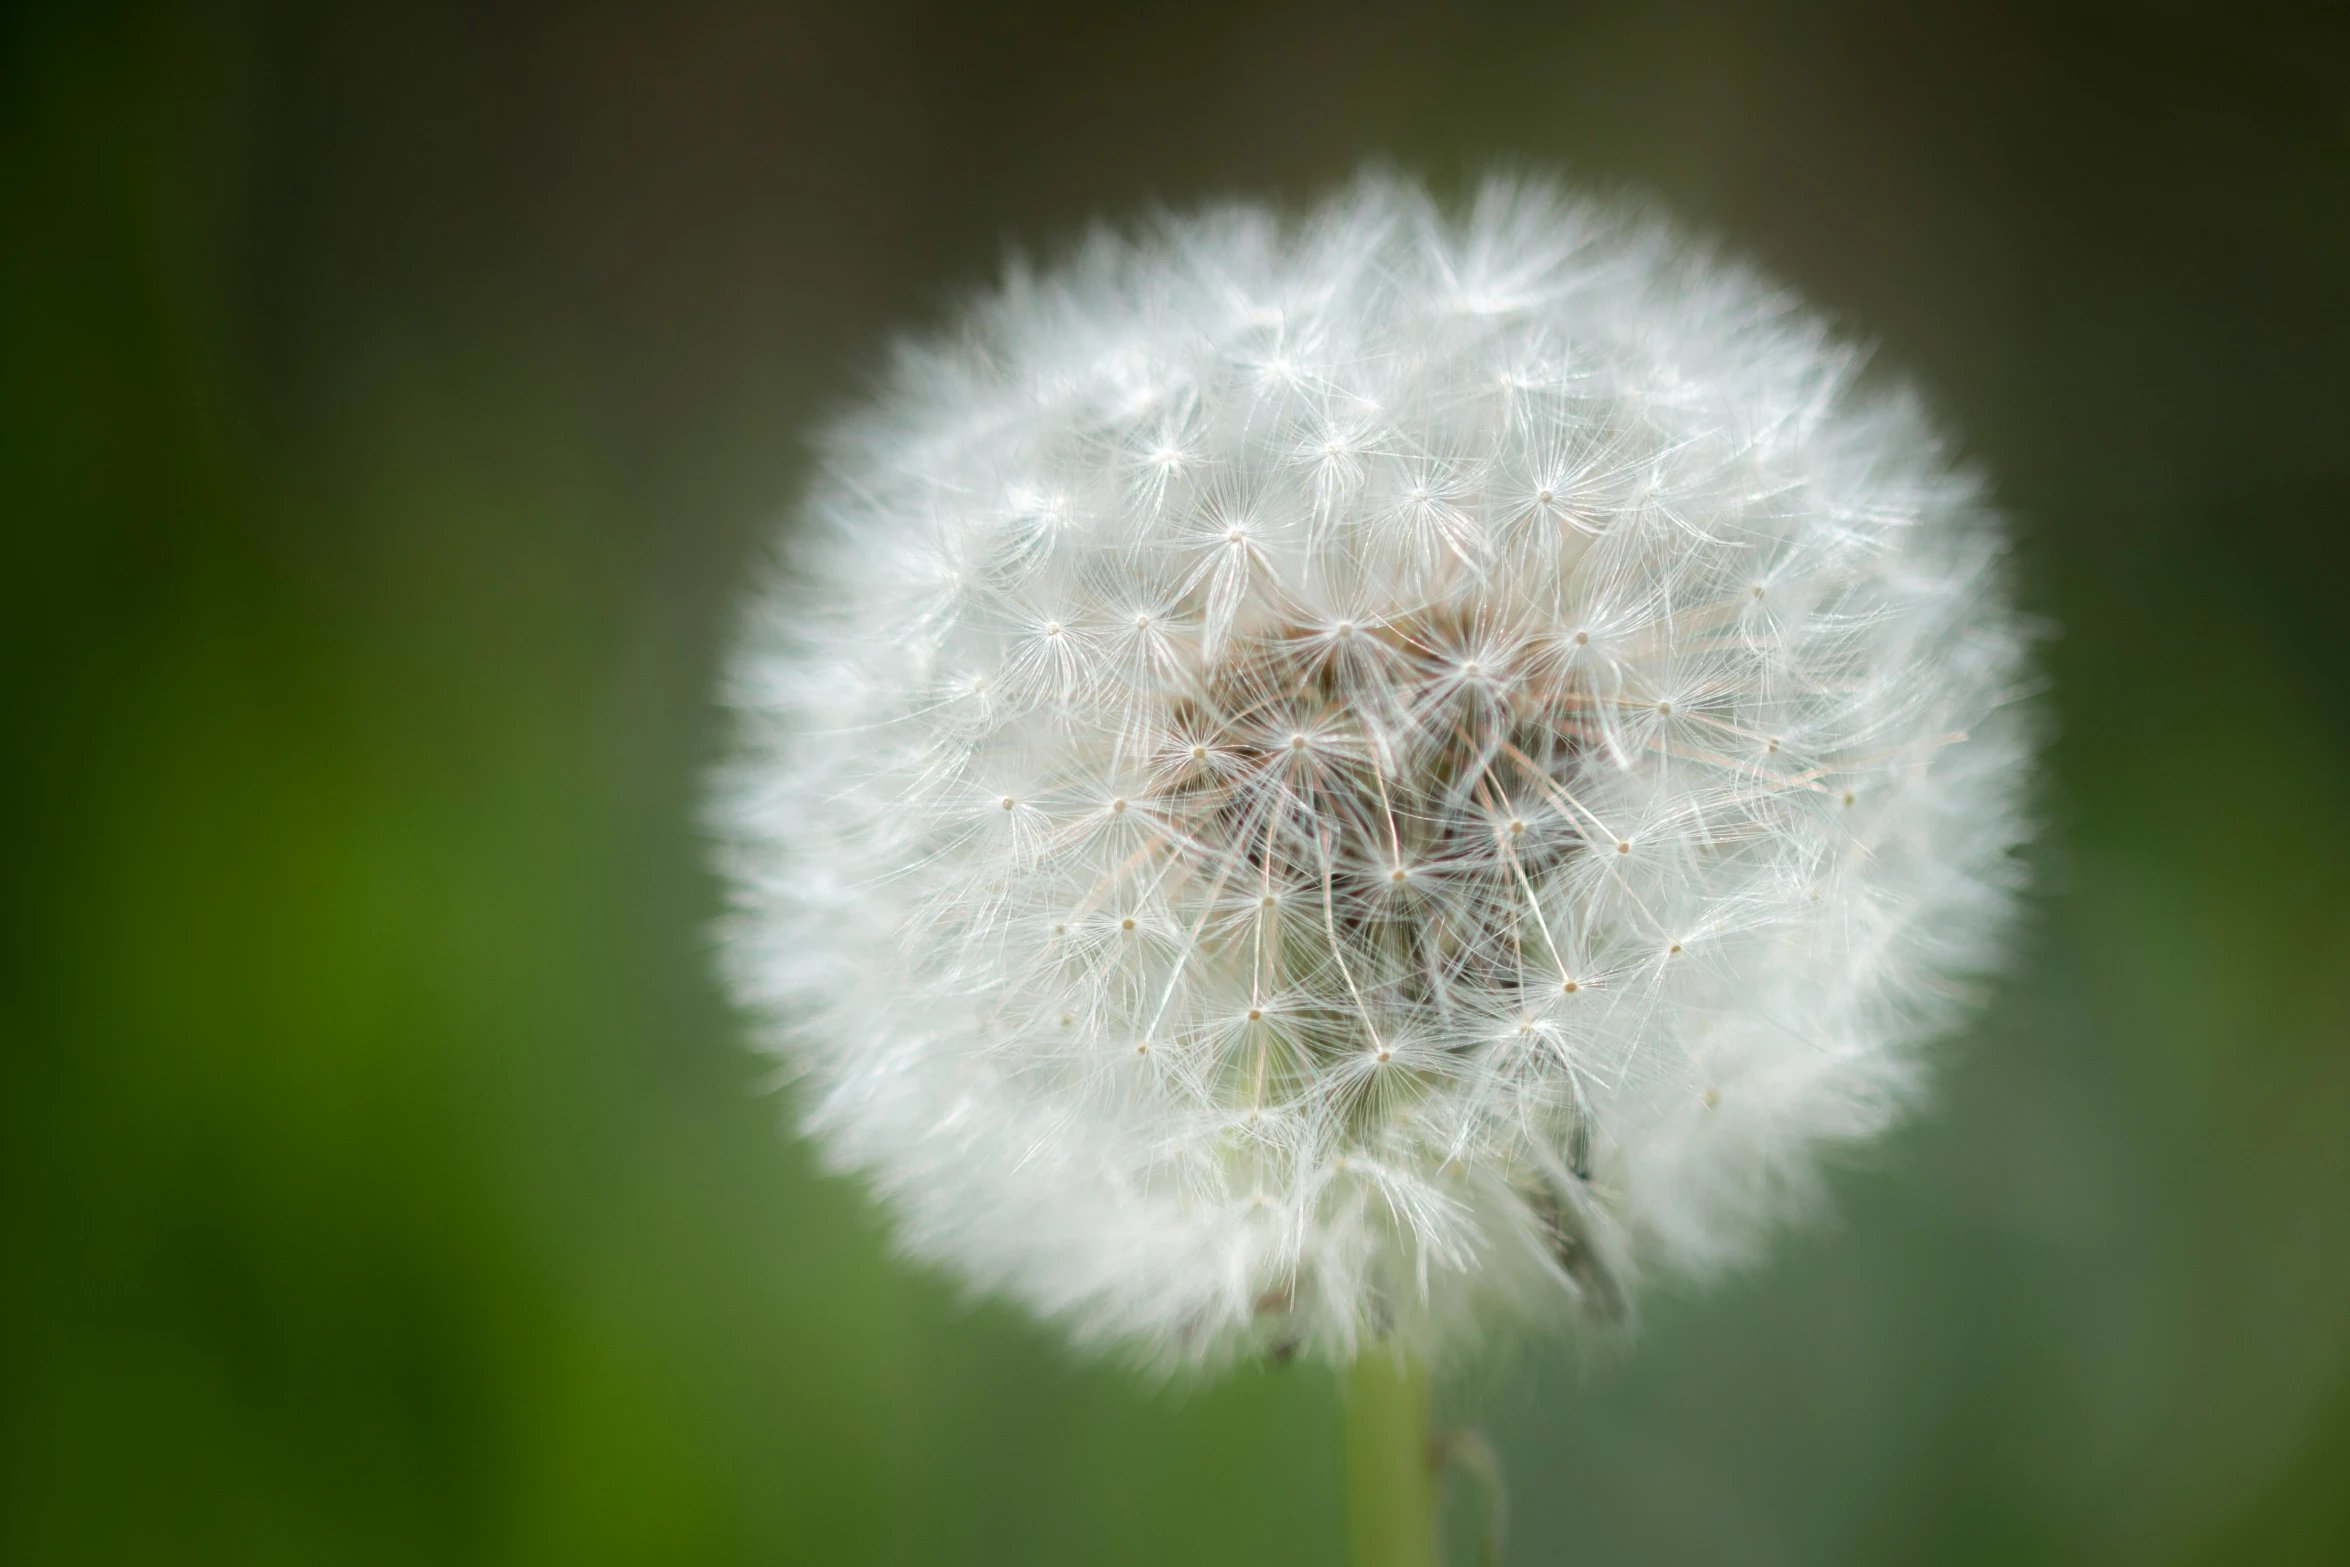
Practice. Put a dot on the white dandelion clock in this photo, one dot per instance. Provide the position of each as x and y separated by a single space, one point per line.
1335 781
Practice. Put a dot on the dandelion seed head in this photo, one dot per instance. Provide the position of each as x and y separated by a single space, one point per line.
1236 877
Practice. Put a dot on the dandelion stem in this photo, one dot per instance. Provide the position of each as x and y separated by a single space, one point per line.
1390 1478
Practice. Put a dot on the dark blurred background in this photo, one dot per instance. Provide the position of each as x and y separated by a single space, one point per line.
393 397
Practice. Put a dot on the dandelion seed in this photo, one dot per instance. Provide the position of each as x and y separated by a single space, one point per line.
1377 755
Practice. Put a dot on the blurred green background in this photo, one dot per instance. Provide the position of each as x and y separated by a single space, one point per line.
392 398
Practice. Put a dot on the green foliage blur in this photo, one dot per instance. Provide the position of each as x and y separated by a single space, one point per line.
394 398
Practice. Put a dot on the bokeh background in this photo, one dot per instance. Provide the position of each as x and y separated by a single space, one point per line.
393 398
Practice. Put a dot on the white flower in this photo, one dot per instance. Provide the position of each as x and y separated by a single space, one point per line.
1312 780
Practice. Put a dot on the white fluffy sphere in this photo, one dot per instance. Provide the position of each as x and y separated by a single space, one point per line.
1308 780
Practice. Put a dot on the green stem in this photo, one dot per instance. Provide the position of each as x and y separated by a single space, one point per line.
1390 1476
